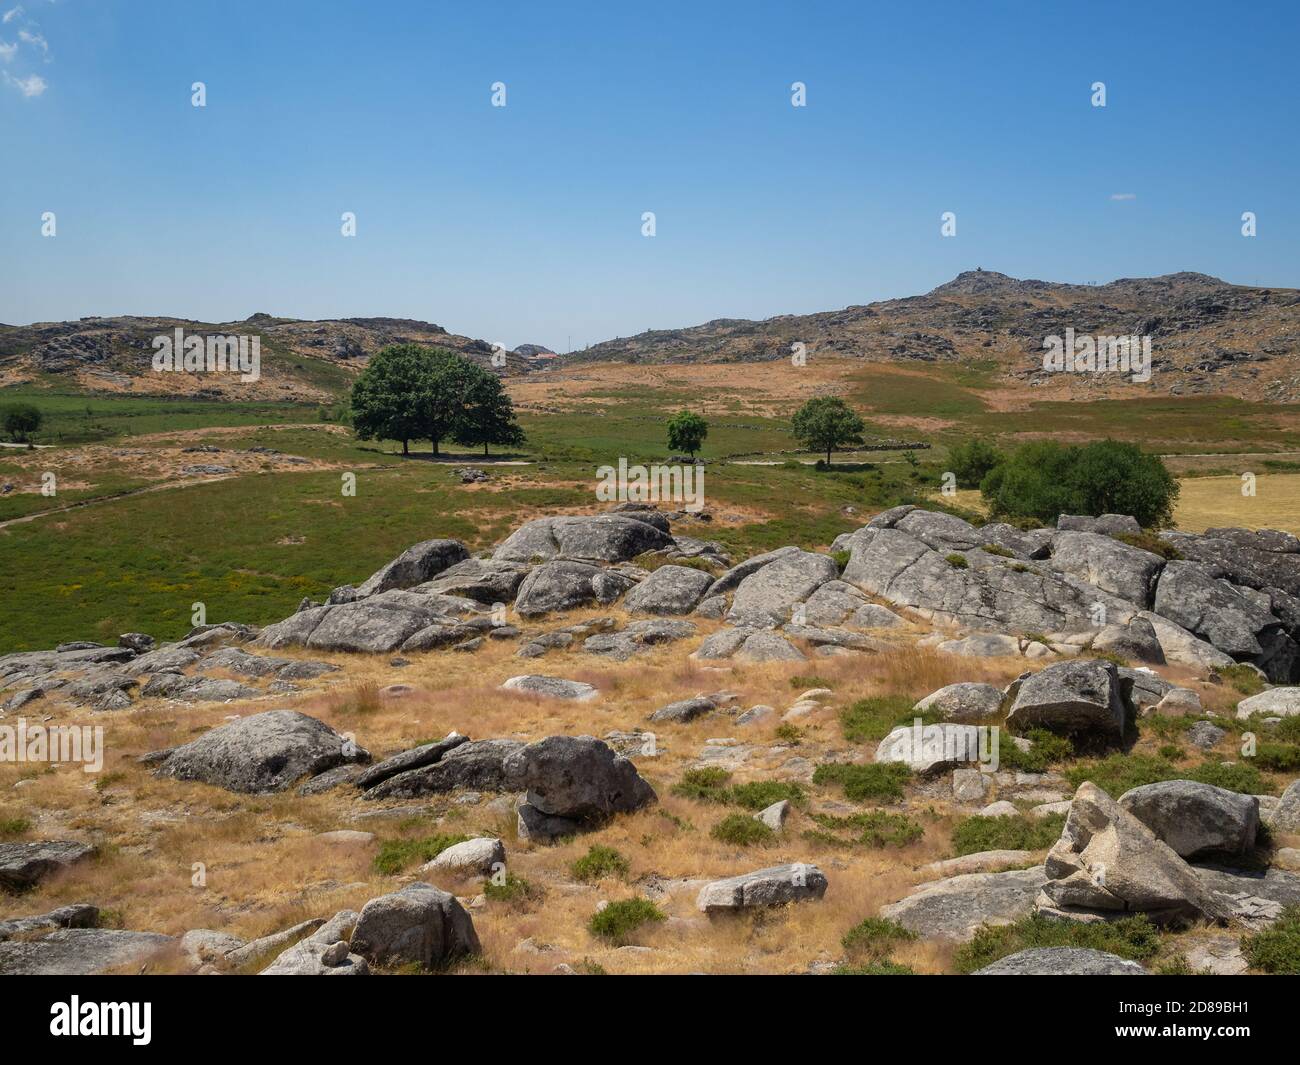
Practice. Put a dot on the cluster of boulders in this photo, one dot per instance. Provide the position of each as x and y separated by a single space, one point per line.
88 674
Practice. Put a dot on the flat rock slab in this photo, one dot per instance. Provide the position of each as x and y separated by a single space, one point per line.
551 687
774 886
80 952
954 908
1062 961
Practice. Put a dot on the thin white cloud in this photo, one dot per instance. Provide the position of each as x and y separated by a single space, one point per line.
35 40
1123 195
30 86
8 51
13 13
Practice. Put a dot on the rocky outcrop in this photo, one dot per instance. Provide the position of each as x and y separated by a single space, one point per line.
964 702
955 907
24 865
415 565
1062 961
669 590
563 585
596 538
418 925
267 752
577 777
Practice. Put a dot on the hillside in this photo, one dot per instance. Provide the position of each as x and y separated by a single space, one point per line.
302 360
1208 336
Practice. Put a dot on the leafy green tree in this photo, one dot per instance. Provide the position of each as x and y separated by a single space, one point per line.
687 432
489 415
392 395
827 424
971 461
453 377
1112 477
1044 479
21 420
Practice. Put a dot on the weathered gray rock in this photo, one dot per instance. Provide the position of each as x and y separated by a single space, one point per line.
577 777
1286 815
415 565
485 580
1106 524
766 647
1079 696
685 709
379 623
563 585
1192 595
481 856
777 587
874 616
774 816
418 924
601 538
1276 702
1136 640
477 765
80 952
323 953
669 590
730 580
1107 860
24 865
954 908
415 758
551 687
79 915
964 702
1205 735
982 645
1062 961
533 824
775 886
263 753
933 749
981 862
831 604
1195 819
722 644
1184 648
1108 564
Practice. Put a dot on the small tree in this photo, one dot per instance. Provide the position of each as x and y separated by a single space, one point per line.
21 420
687 432
489 415
971 461
827 424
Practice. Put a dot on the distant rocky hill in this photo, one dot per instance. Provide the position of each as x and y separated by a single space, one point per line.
301 359
1208 336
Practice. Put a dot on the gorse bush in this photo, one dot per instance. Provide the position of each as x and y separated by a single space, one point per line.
743 830
871 719
396 855
1047 750
1135 938
976 834
1121 772
871 828
876 780
599 863
1276 949
1044 479
619 920
875 937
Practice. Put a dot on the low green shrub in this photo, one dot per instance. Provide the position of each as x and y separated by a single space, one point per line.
874 780
395 855
976 834
599 863
742 830
618 921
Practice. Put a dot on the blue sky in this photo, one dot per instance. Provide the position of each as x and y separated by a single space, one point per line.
523 223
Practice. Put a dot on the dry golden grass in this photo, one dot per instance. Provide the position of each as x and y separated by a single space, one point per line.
1206 502
263 867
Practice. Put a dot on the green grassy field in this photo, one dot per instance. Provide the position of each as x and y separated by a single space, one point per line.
250 547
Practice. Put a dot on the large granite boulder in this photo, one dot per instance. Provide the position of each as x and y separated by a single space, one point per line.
24 865
264 753
415 565
563 585
1074 697
763 888
956 907
80 952
964 702
325 952
1108 564
774 589
1264 558
1107 862
1276 702
485 580
379 623
599 538
419 925
669 590
577 777
1195 819
930 749
476 765
415 758
731 580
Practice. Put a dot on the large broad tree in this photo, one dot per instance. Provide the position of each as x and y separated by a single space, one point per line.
687 432
489 415
390 399
827 424
452 379
21 420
